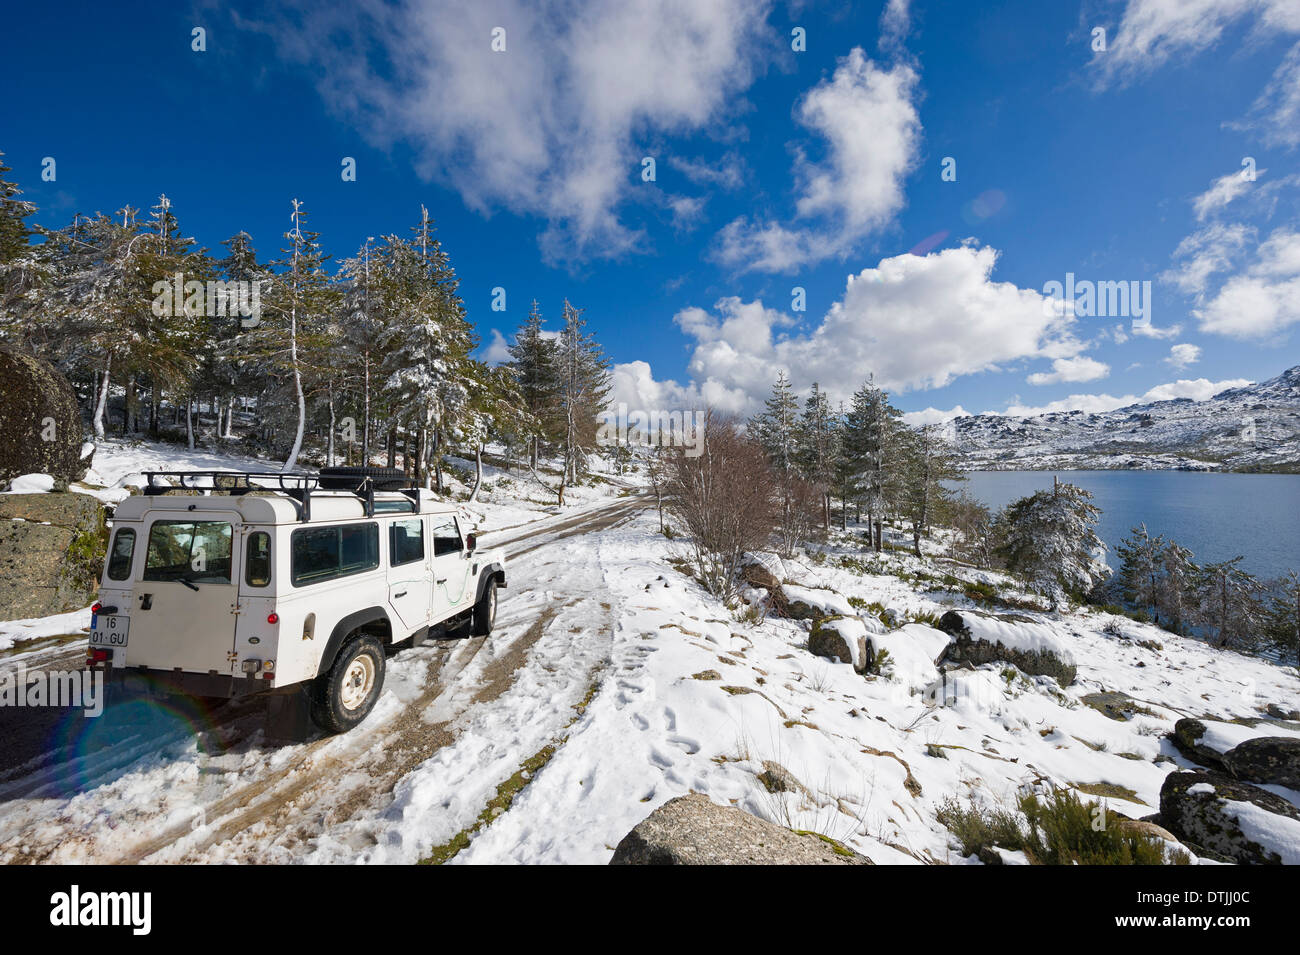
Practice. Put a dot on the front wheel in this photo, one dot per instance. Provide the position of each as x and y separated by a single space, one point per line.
344 696
485 611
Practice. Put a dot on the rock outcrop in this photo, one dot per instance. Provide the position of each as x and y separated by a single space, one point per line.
40 423
1230 818
1266 759
51 553
692 830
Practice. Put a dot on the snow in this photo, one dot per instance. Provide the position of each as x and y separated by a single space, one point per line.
31 484
1200 788
912 651
13 631
1222 737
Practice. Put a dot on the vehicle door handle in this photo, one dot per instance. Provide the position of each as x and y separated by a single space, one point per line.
402 594
440 580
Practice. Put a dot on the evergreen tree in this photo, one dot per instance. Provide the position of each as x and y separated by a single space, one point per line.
1049 539
14 232
1178 574
584 393
534 364
1138 581
300 299
815 449
929 465
1282 620
776 427
1228 605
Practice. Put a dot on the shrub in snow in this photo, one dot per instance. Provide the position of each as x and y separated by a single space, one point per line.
1048 539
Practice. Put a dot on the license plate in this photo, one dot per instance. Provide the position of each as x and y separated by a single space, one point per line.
109 631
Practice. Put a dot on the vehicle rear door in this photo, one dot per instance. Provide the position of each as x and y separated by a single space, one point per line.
185 603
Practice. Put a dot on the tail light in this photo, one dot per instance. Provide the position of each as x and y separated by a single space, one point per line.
95 607
97 655
273 617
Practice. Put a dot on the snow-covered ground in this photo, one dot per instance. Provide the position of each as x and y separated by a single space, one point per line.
612 684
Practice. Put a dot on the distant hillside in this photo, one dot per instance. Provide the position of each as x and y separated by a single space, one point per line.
1255 428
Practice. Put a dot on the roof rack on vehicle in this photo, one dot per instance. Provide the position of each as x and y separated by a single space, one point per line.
298 486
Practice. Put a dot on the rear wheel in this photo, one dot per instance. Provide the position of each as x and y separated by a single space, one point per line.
485 611
344 696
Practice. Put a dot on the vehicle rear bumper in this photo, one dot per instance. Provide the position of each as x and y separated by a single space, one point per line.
151 682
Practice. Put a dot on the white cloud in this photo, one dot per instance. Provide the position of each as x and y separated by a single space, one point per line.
934 416
914 322
1221 192
1152 32
497 350
1277 110
1081 368
1198 389
867 117
550 127
727 173
1205 253
1264 299
1180 356
633 385
895 22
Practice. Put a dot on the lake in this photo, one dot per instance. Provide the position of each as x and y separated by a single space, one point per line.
1216 516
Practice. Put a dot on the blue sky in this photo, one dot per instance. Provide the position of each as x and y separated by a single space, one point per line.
774 169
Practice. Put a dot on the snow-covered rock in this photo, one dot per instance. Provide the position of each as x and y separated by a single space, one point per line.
840 638
1035 648
1236 820
807 603
913 650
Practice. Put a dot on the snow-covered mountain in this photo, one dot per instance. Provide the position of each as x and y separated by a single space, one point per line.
1255 428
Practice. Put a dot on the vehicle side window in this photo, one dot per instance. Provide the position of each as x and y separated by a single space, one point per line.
405 542
257 560
446 538
323 553
196 551
119 559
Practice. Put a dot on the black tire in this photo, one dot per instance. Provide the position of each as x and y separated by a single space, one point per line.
335 706
349 479
485 611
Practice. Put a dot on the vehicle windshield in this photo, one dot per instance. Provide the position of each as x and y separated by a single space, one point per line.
196 552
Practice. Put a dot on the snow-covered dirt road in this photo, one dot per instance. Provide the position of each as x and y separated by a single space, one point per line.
181 783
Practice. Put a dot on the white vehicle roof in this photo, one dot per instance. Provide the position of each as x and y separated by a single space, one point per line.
279 508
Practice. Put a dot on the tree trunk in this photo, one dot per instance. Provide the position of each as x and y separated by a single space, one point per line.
102 403
189 421
478 472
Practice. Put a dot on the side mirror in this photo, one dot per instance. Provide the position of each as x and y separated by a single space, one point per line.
471 542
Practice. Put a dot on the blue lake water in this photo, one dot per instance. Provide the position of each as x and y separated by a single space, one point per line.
1216 516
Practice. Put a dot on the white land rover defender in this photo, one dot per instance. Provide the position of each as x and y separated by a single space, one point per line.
221 584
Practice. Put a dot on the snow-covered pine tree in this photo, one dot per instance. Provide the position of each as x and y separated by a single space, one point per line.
776 427
1138 580
1178 574
534 364
299 300
1049 539
815 446
929 466
584 392
1228 605
18 263
1282 621
232 367
425 341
